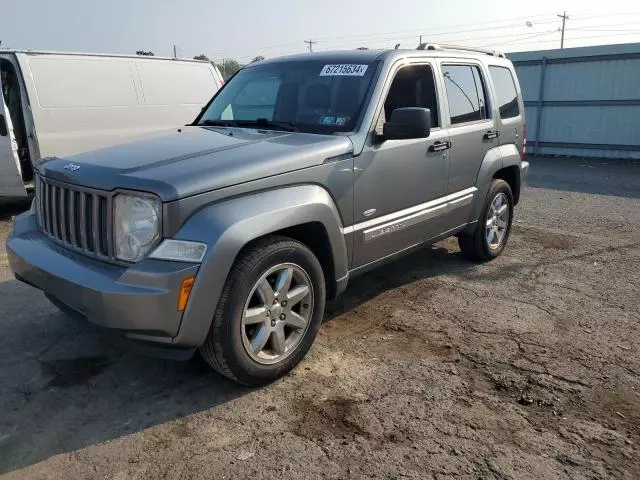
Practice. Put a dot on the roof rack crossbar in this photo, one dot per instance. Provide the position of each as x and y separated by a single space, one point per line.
436 46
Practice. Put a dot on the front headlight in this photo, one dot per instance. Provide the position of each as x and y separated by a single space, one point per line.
136 226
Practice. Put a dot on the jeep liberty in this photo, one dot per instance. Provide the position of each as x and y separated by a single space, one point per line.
228 235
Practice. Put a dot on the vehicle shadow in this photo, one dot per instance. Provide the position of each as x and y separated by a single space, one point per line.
64 387
601 176
424 263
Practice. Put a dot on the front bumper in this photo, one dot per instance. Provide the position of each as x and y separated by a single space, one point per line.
138 301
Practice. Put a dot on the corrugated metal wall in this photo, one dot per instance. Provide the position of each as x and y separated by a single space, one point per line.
582 101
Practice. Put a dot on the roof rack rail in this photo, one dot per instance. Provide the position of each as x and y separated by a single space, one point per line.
436 46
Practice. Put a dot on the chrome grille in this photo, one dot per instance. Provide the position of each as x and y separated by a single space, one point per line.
76 217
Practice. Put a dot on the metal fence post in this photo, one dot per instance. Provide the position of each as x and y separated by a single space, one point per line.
543 70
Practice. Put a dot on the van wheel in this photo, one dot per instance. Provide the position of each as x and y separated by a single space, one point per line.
494 225
269 312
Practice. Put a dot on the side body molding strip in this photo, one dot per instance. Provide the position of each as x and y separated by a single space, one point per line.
395 221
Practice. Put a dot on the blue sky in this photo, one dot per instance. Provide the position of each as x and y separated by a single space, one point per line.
243 29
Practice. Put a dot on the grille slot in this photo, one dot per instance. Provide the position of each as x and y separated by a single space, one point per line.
75 217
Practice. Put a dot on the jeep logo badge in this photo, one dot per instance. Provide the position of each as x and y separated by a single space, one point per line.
72 167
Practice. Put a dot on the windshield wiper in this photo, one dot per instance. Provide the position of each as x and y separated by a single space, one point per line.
266 123
258 122
217 123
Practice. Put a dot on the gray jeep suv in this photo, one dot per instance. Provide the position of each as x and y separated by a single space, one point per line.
227 236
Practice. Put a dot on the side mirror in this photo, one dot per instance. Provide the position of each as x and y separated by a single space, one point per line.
405 123
4 131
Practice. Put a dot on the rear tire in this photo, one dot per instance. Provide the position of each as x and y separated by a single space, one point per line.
269 312
492 230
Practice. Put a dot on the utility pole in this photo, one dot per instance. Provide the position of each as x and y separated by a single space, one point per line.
420 40
175 52
564 18
311 43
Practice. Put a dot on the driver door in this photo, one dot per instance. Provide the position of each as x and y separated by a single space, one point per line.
399 184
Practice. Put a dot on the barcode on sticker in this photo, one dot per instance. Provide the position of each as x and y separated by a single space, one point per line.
344 70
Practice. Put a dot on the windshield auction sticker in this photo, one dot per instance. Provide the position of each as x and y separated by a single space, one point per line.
344 70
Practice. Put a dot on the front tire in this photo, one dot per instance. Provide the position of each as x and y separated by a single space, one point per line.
269 312
493 227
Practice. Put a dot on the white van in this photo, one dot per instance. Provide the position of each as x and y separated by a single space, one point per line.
58 104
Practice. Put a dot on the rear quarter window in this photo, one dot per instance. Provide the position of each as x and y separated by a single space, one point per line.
506 93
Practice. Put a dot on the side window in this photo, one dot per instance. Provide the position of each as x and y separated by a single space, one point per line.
465 93
413 86
506 93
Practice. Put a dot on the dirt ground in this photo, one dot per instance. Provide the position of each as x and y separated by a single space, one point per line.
431 367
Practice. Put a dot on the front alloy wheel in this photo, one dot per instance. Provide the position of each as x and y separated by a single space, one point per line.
269 312
276 313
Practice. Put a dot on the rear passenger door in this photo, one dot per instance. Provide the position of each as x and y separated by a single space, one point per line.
471 129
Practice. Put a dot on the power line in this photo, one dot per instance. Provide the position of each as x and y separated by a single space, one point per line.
311 43
450 40
431 36
435 39
520 39
414 32
599 25
445 29
431 39
412 35
434 33
605 30
579 38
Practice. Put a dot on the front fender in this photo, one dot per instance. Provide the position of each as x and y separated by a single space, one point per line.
228 226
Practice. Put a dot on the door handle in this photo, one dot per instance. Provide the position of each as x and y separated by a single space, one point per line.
491 134
440 146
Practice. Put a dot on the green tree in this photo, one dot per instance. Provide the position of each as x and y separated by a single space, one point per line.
202 56
257 59
228 67
145 53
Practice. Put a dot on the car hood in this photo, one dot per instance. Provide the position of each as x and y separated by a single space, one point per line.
194 160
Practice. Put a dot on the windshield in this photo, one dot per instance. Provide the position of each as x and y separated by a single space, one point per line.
308 96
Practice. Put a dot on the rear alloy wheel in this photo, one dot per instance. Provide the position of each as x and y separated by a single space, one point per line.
497 222
492 230
269 312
